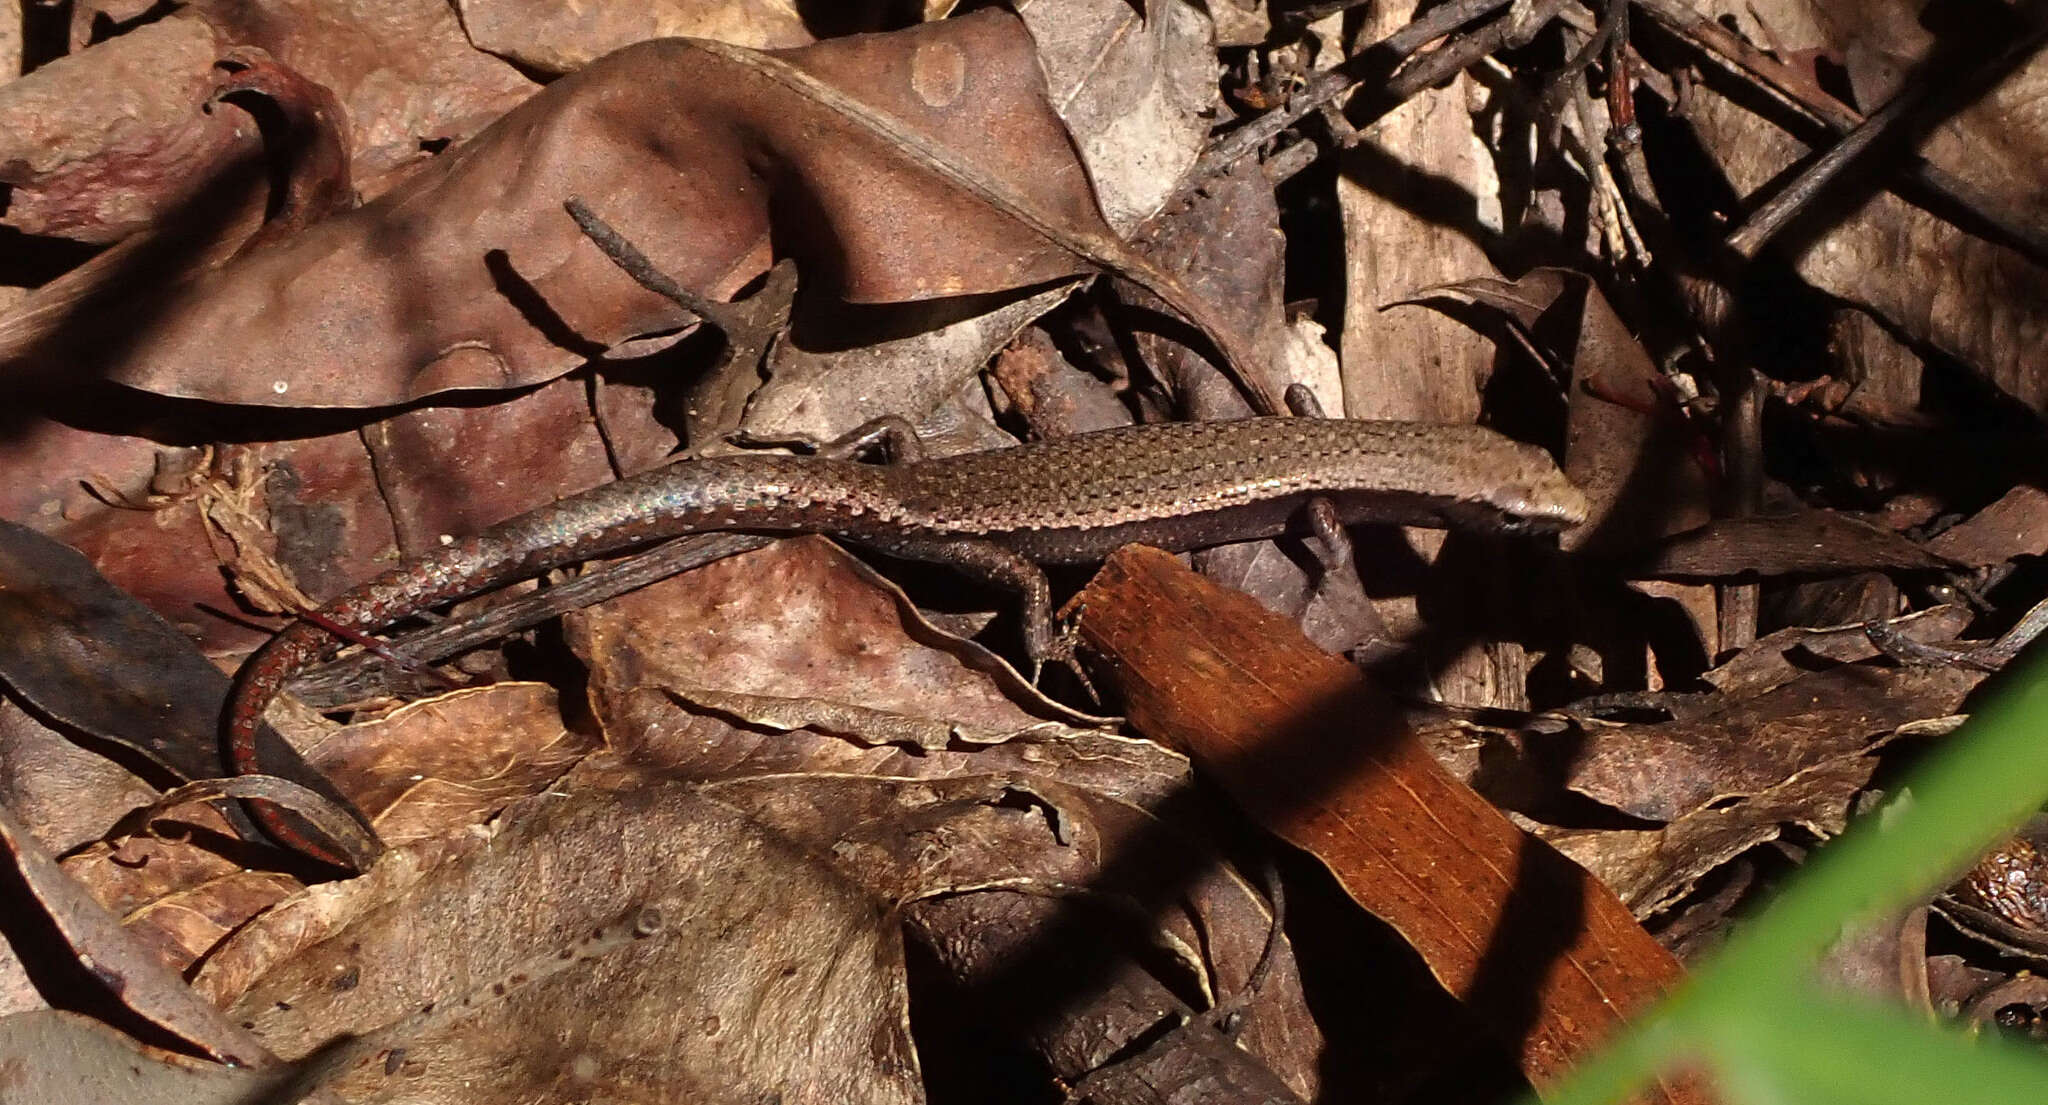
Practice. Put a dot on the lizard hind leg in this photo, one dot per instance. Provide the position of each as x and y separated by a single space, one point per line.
1046 639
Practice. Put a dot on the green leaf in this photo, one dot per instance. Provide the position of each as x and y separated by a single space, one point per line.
1963 798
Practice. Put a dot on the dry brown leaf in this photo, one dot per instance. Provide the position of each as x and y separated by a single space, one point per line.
1651 868
10 50
1818 542
113 137
456 470
58 1058
1935 283
182 928
1259 707
1225 243
827 392
318 512
2015 525
1136 87
548 37
405 74
65 794
1001 864
89 657
439 764
1411 203
101 143
117 961
1133 93
807 622
1780 657
180 855
1664 771
944 174
809 648
799 634
727 963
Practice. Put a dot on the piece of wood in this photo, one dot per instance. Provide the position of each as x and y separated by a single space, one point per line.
1542 952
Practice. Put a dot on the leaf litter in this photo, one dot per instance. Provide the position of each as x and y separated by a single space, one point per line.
787 823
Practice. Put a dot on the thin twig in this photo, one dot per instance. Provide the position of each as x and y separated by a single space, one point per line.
644 272
1888 122
2019 227
1992 657
1325 87
1294 20
1764 223
365 676
1614 19
1228 1011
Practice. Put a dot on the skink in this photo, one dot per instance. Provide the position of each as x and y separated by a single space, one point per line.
996 514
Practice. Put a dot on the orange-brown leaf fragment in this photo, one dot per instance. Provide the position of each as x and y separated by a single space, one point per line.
1535 946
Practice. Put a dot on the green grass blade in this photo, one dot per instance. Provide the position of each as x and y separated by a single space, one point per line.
1966 795
1819 1049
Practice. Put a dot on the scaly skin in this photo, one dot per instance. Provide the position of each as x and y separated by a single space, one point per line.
995 514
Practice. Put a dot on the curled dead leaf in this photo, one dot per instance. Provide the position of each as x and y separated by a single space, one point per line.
903 166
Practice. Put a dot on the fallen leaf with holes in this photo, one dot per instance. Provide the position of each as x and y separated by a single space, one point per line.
102 143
